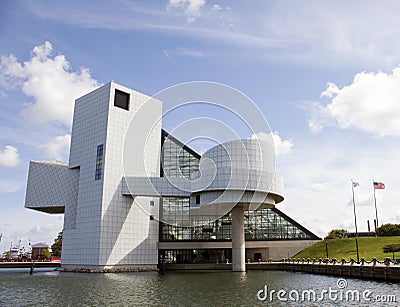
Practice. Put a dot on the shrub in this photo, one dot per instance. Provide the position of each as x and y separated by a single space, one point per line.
336 234
388 230
391 248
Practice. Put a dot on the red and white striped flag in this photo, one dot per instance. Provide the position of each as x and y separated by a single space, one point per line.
379 185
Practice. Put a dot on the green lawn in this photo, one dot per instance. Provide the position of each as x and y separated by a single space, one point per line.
346 248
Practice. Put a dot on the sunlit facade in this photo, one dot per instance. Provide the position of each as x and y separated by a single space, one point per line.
133 196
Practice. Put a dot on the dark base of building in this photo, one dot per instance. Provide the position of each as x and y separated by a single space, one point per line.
108 268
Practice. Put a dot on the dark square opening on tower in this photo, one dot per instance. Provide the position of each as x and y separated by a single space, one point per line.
121 100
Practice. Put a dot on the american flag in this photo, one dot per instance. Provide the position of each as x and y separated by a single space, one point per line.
379 185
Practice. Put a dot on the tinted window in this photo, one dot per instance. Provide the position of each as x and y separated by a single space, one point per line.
121 100
99 162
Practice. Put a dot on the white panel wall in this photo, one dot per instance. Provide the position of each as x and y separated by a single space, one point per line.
51 186
128 236
81 244
112 229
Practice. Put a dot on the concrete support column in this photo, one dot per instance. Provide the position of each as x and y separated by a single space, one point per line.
238 242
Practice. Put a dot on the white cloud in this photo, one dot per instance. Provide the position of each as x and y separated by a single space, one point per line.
9 186
314 126
183 52
49 81
331 90
35 230
216 7
57 148
192 8
320 116
166 53
318 34
45 233
370 103
9 156
39 228
317 187
282 147
10 71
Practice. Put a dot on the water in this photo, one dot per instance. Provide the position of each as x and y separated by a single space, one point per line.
179 288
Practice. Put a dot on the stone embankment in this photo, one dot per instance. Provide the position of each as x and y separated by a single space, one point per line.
386 270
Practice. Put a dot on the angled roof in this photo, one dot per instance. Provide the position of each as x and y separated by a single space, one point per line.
40 245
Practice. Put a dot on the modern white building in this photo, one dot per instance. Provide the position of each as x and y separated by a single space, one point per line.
134 196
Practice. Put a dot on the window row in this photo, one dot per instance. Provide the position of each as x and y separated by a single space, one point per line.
262 224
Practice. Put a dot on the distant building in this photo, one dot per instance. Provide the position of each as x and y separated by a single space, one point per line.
156 205
14 252
38 248
358 234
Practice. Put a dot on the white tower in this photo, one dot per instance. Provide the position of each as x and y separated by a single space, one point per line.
104 229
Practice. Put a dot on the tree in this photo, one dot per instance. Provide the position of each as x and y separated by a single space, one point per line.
391 248
57 245
44 253
388 230
336 234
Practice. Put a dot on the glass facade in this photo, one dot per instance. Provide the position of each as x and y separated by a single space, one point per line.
261 224
186 256
99 162
178 160
175 211
271 224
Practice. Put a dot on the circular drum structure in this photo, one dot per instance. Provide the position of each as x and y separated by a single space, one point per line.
236 176
240 172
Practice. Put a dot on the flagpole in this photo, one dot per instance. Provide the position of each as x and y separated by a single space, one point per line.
376 209
355 220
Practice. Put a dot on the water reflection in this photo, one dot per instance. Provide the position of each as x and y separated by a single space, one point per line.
179 288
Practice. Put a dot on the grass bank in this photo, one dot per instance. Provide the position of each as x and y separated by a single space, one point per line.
346 248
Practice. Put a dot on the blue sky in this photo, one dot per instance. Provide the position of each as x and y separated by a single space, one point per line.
324 73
